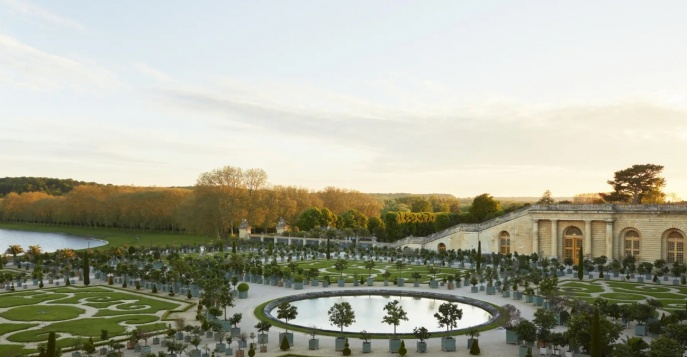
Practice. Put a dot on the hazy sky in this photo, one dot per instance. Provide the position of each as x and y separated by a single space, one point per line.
460 97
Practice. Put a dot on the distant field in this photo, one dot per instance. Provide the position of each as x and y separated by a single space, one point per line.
116 237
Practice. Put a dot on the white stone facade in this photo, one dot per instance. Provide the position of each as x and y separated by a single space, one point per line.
648 232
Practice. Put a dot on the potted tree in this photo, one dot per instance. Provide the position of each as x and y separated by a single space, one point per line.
527 332
416 276
386 275
510 318
474 334
341 315
367 345
394 315
286 312
341 265
263 338
422 334
243 290
298 282
369 264
313 343
433 283
448 315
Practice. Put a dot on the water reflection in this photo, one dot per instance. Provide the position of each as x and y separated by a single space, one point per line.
49 242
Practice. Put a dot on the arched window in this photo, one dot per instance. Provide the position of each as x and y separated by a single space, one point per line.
676 247
572 239
632 243
441 247
504 238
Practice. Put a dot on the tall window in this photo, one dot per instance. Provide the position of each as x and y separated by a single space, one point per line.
572 243
504 237
632 243
676 247
441 247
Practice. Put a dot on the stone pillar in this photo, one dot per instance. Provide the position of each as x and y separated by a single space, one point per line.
535 236
609 239
587 237
554 238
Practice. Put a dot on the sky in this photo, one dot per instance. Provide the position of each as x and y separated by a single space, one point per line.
510 98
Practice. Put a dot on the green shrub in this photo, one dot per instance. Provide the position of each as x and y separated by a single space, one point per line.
347 350
402 350
242 287
154 288
298 278
474 350
284 342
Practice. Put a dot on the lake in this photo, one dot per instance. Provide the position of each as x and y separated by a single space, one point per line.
49 242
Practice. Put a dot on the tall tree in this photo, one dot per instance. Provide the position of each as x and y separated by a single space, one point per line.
580 264
86 269
484 206
546 199
633 184
448 315
394 314
596 350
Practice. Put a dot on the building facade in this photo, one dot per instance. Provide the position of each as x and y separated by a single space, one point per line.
648 232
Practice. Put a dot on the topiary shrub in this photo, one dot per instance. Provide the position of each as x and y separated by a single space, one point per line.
529 352
474 350
298 278
242 287
284 342
189 295
402 350
154 289
251 351
347 350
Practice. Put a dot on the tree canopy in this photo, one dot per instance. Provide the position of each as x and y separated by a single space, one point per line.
484 207
637 184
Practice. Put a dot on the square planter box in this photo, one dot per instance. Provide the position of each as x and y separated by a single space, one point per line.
523 351
529 298
400 282
448 344
491 290
325 283
640 330
243 294
367 347
289 337
314 282
339 343
314 344
263 338
512 337
474 289
640 279
220 347
394 345
433 284
421 346
298 286
506 293
538 300
341 282
370 281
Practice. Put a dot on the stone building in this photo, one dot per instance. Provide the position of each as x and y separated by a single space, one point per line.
648 232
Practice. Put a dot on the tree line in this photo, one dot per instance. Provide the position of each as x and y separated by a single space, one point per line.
51 186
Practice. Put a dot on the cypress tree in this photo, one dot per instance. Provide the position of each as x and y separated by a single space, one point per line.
596 331
233 245
402 350
51 350
86 269
479 255
580 265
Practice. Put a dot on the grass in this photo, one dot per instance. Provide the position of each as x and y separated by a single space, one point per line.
27 298
7 328
114 236
14 350
42 313
88 327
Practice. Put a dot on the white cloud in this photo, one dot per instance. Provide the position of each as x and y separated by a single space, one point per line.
31 11
153 73
26 66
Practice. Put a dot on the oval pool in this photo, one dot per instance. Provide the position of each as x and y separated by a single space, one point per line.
369 310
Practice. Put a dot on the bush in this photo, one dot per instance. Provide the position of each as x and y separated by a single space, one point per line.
242 287
402 350
154 288
284 343
347 350
474 350
298 278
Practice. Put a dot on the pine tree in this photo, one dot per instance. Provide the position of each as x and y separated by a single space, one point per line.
580 265
86 269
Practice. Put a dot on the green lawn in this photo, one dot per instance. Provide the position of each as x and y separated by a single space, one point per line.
42 313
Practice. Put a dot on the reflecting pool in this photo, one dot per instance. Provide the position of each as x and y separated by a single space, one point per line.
369 311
